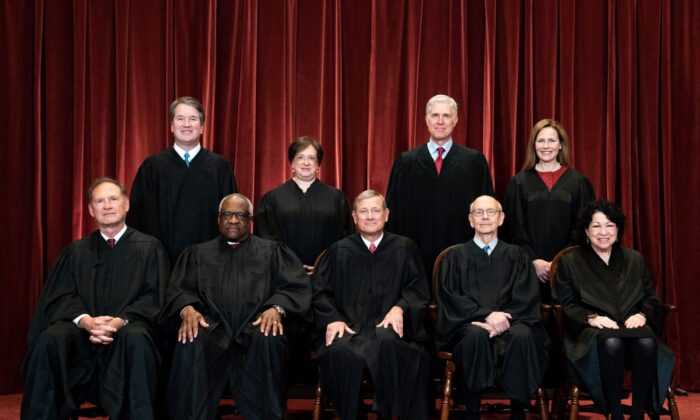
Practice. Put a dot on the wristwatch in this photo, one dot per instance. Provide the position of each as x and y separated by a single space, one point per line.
279 309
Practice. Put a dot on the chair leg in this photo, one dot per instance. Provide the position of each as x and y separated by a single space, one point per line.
317 404
447 391
573 410
672 407
542 404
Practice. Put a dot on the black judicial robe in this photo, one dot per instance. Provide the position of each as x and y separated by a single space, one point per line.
88 277
359 288
231 288
586 285
471 284
432 209
543 221
307 222
178 204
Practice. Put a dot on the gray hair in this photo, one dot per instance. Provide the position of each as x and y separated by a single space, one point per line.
441 99
240 197
364 195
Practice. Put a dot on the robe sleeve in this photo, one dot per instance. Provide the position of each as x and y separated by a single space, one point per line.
325 308
515 221
290 284
524 303
651 305
154 284
456 309
227 180
393 197
143 212
567 293
414 294
183 290
59 300
265 223
347 226
585 194
484 174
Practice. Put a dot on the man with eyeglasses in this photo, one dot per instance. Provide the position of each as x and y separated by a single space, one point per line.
229 297
431 186
368 291
489 315
176 191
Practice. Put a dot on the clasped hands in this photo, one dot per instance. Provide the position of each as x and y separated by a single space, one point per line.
269 321
393 319
496 323
101 328
634 321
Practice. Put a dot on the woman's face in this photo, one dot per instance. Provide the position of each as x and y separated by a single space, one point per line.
547 145
601 232
305 164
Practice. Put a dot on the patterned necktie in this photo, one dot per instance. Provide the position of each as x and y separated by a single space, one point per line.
372 247
486 249
438 161
234 245
111 242
187 159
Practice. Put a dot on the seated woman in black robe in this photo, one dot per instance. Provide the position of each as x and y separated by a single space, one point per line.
612 316
543 199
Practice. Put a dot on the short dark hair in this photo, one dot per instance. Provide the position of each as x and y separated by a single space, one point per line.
187 100
301 143
99 181
611 210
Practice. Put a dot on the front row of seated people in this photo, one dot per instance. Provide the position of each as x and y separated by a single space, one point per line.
94 336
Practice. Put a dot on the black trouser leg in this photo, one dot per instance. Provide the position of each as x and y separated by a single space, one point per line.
643 357
611 356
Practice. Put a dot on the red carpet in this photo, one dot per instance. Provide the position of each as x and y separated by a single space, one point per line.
689 408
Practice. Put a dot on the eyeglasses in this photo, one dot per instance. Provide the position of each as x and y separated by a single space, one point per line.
480 212
227 215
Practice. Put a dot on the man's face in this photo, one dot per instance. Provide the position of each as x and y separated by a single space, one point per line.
485 216
440 121
108 206
370 216
186 126
234 220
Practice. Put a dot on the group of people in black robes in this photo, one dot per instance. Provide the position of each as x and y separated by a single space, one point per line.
235 301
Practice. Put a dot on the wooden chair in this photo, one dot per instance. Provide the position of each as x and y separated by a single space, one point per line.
572 391
450 366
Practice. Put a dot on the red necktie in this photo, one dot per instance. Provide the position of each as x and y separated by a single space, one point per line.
372 247
438 161
111 242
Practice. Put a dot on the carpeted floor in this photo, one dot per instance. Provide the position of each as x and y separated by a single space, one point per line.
299 409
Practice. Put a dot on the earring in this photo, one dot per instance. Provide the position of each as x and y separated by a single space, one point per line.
588 240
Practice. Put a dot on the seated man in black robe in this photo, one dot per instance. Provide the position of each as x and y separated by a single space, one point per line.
489 316
368 290
93 334
229 296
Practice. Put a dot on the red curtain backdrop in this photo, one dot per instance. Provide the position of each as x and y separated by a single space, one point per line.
86 85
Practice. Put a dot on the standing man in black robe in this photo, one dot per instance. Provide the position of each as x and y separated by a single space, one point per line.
431 186
176 192
489 316
92 337
230 296
368 290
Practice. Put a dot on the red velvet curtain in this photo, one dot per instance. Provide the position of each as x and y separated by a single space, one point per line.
86 85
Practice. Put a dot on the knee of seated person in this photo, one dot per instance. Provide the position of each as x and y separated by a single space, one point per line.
270 340
136 337
520 332
56 333
386 334
612 345
646 345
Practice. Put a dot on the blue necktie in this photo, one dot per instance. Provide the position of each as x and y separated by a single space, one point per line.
187 159
486 249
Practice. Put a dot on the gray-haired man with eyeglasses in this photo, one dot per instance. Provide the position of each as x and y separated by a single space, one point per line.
489 316
229 297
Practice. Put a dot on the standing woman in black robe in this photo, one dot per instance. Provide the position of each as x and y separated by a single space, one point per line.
543 200
304 213
612 317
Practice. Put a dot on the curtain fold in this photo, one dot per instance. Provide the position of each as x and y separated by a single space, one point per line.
88 83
